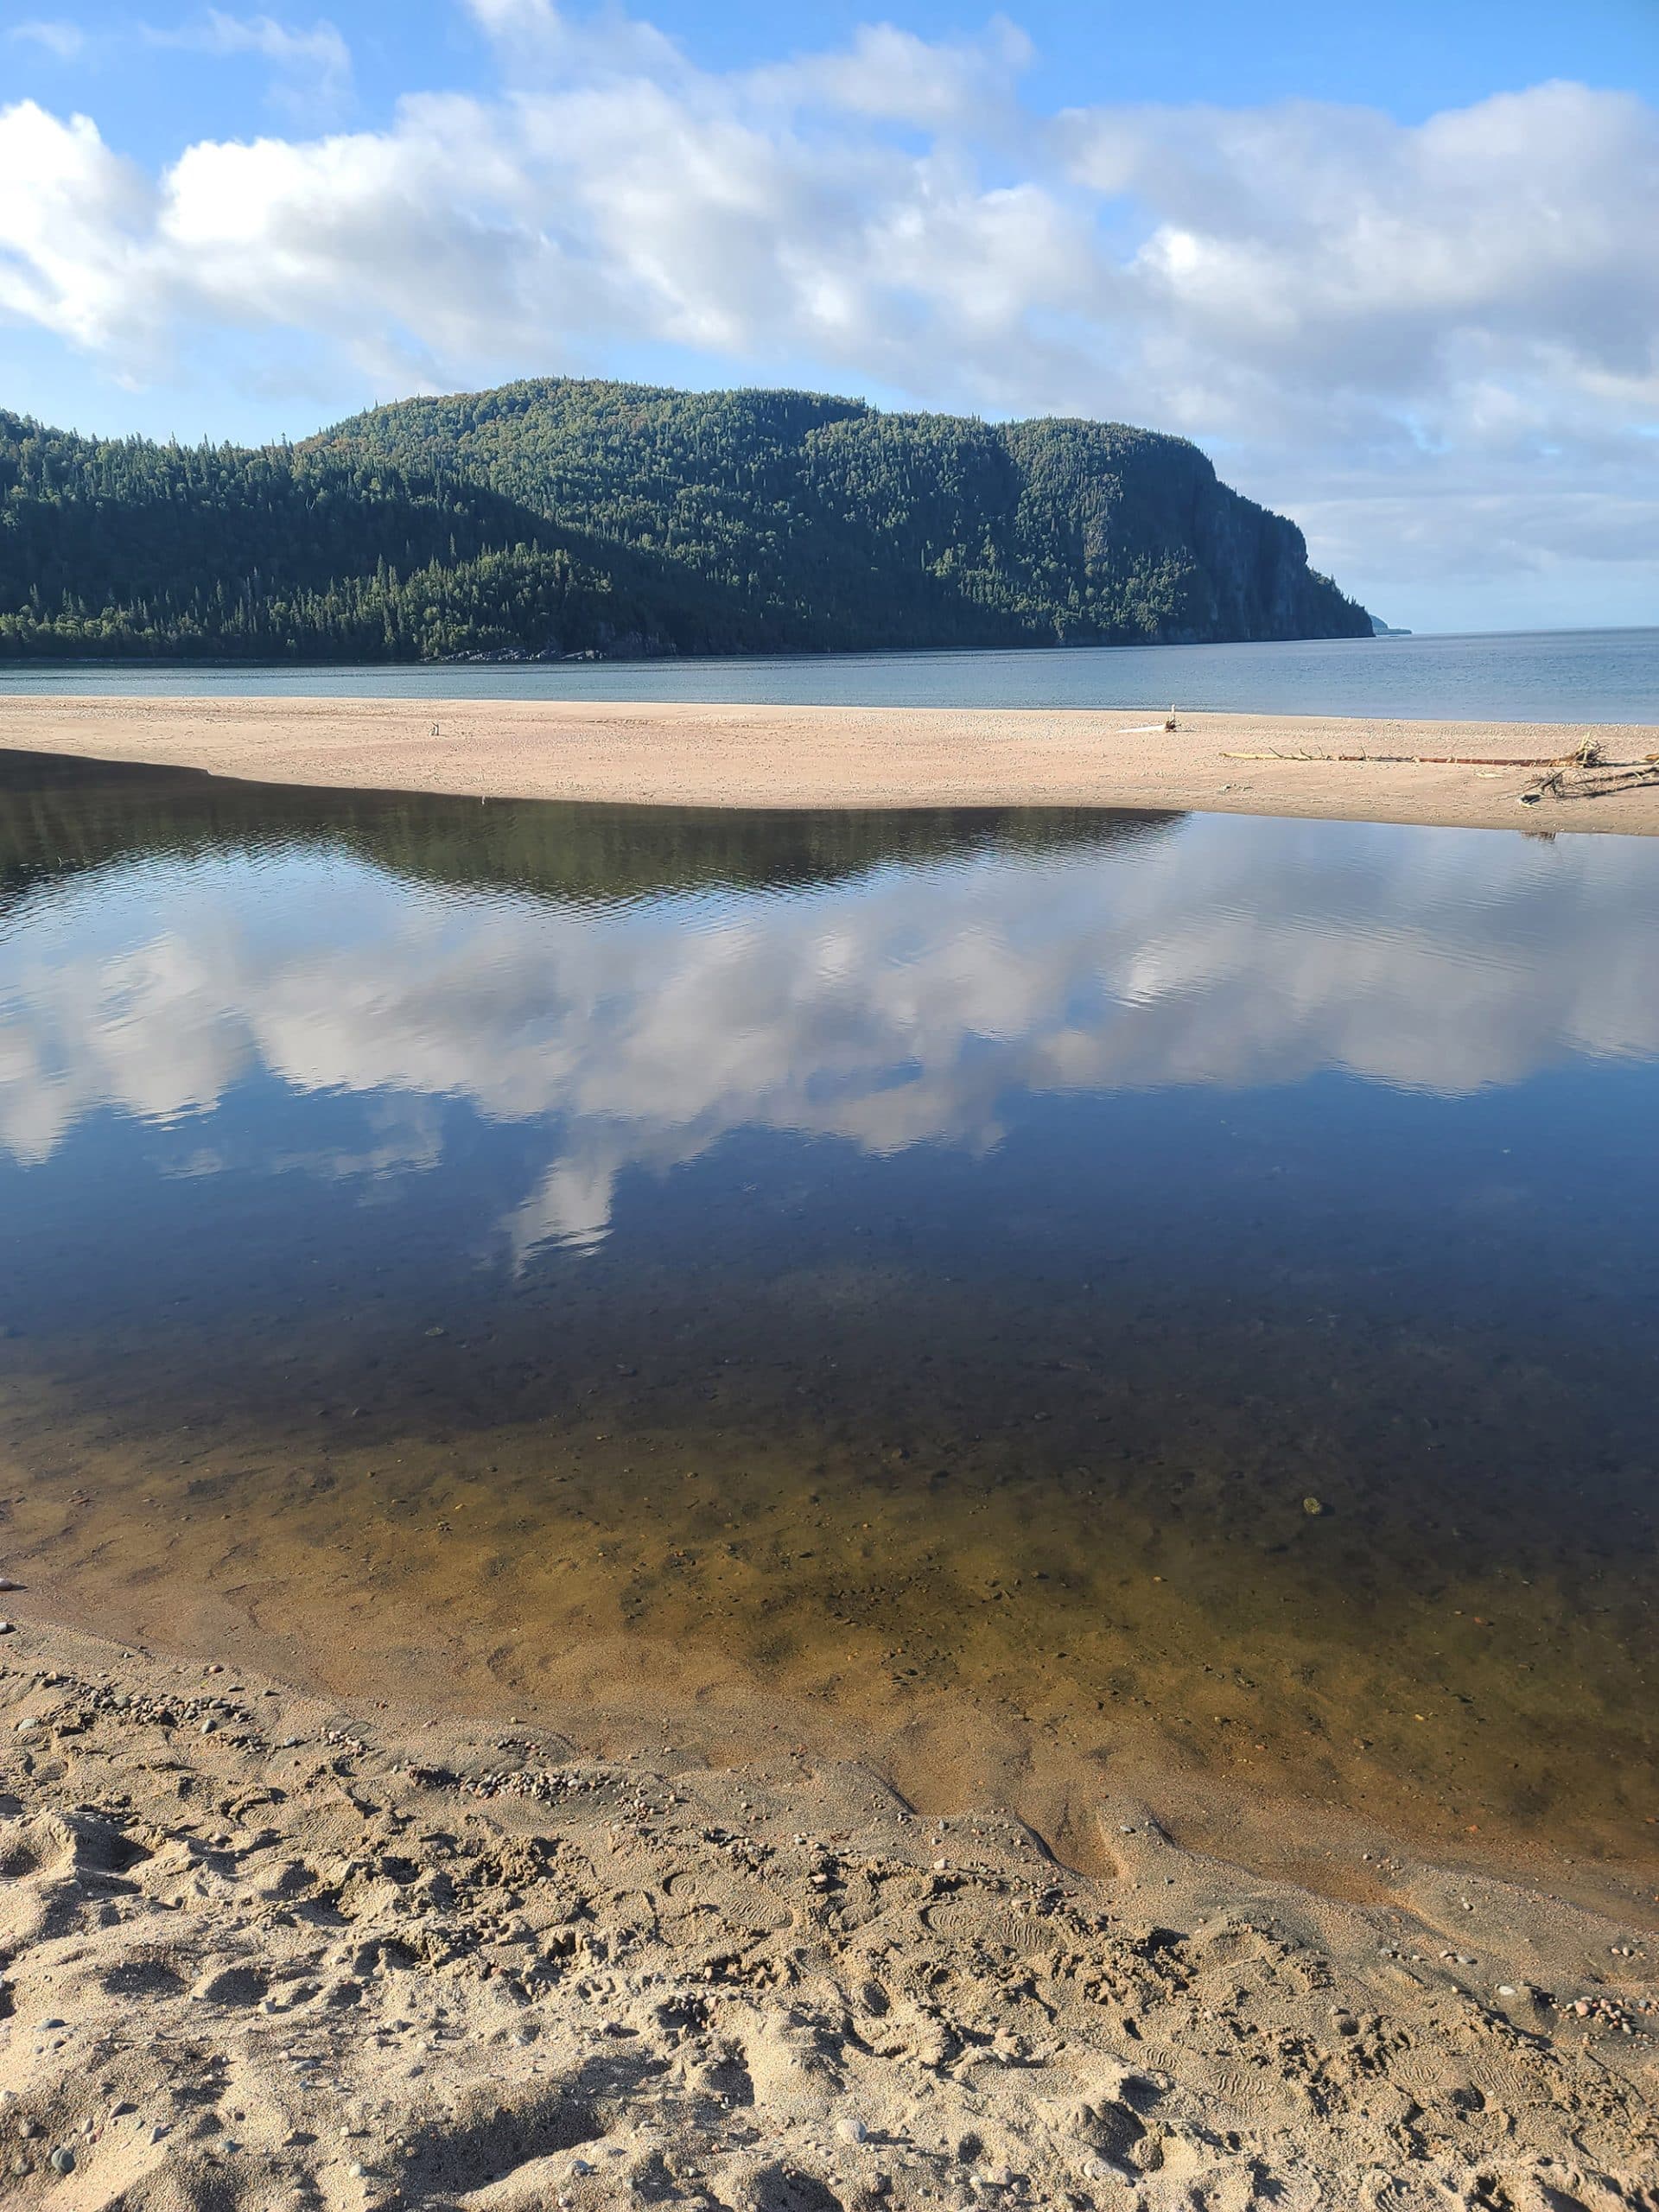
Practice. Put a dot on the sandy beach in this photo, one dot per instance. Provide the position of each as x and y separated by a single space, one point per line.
848 757
260 1950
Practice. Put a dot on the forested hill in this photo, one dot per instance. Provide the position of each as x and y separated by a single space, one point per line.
566 516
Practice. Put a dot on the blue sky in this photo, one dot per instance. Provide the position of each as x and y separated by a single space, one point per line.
1396 268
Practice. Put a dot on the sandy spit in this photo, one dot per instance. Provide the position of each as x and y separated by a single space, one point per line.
261 1951
840 756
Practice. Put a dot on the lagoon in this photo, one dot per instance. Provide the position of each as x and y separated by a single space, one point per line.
1037 1295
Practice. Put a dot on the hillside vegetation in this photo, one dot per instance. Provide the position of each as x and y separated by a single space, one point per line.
562 517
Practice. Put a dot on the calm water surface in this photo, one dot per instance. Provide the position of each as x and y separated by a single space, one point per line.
1057 1294
1564 676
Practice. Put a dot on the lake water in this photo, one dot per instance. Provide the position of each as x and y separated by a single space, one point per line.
1052 1297
1566 676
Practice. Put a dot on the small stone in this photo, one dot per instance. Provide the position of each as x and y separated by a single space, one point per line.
1313 1506
63 2160
8 1628
208 1725
28 1723
851 2130
1505 1989
357 2169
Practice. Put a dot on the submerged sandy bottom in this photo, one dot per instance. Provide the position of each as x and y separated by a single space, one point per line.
264 1951
1041 1574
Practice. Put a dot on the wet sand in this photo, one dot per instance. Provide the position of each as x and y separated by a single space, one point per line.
261 1950
836 756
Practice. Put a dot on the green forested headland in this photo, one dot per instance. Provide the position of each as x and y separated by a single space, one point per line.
564 516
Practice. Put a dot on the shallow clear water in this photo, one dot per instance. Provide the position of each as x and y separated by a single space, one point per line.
1052 1292
1563 676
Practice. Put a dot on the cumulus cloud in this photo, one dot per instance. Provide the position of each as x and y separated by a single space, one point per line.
1356 312
77 230
906 1009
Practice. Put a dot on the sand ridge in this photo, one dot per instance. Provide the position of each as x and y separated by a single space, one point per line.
258 1950
755 756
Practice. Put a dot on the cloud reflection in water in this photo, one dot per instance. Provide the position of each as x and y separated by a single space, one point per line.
904 1007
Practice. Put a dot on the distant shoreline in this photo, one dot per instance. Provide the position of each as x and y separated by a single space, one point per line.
801 757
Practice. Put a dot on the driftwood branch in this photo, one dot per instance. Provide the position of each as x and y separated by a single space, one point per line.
1599 781
1416 760
1584 774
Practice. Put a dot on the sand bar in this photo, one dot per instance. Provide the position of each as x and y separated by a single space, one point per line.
752 756
261 1950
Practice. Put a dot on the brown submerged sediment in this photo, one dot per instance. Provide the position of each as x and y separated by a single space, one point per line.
989 1609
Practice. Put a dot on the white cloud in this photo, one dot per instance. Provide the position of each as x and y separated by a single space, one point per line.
77 230
891 76
311 66
314 66
65 40
1359 316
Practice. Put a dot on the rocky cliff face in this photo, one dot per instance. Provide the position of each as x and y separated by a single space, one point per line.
1261 585
1246 567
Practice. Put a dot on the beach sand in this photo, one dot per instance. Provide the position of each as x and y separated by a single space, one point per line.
263 1951
857 757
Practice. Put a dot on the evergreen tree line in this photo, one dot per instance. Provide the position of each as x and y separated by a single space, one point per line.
567 516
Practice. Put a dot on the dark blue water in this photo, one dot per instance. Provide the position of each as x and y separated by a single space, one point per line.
1564 676
1104 1287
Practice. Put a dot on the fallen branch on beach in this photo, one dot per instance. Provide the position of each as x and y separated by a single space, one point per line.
1432 759
1600 779
1597 777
